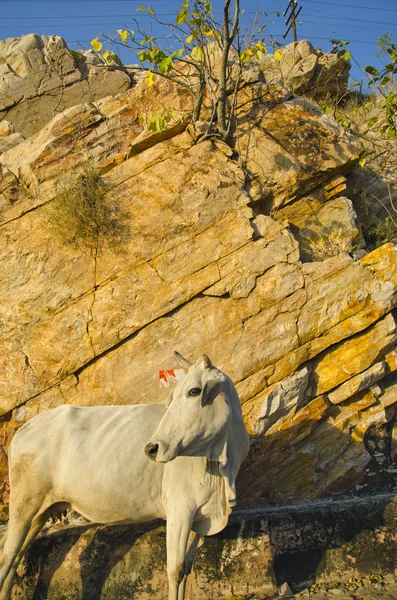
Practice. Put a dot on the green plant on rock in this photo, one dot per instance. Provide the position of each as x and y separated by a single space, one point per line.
385 84
82 215
383 42
339 48
382 233
201 55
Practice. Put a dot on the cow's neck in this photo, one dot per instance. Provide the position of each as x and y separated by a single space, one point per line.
206 487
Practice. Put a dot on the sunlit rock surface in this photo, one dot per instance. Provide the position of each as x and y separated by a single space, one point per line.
254 257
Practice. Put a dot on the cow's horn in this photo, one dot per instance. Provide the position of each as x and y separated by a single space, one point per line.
183 362
207 363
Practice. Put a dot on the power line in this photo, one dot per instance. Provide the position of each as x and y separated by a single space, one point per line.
352 6
72 1
93 24
310 37
170 14
319 15
378 9
350 26
340 18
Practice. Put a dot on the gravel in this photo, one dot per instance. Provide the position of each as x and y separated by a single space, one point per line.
373 587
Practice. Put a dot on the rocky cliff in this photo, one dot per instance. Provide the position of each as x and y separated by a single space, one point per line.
253 255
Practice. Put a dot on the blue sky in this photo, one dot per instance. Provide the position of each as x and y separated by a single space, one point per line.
79 21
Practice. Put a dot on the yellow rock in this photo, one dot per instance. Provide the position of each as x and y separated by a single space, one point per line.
354 355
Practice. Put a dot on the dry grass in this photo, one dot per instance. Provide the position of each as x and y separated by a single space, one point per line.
364 117
83 216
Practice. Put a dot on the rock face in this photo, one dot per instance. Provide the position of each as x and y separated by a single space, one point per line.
252 256
40 77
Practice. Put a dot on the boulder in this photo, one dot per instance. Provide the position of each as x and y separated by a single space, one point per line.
40 77
305 70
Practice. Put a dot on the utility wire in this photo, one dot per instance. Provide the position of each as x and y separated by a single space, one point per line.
319 15
131 15
352 6
341 18
309 37
117 23
378 9
350 26
170 14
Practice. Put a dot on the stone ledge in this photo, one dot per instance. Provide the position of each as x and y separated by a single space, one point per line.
260 550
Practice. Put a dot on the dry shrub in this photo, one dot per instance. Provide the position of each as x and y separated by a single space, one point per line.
83 216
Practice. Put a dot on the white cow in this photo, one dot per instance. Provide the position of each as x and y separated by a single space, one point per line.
95 460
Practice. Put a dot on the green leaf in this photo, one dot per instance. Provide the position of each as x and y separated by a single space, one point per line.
156 123
371 70
198 53
183 13
110 57
372 122
152 125
389 104
347 56
181 18
147 40
362 161
189 39
385 81
144 56
96 44
75 53
166 65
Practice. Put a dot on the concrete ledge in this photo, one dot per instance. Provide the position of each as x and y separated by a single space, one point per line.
258 551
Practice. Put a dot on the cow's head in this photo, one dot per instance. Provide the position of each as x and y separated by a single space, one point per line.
203 419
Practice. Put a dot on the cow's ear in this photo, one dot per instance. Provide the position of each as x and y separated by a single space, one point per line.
211 390
182 362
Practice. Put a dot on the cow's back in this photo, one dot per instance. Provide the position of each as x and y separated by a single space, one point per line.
93 458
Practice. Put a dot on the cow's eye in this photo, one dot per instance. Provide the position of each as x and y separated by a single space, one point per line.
194 392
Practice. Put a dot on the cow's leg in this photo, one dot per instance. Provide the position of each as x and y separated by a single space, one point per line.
26 503
34 530
178 530
194 539
17 530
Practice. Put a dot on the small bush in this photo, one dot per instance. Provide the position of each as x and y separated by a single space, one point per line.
82 216
382 233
